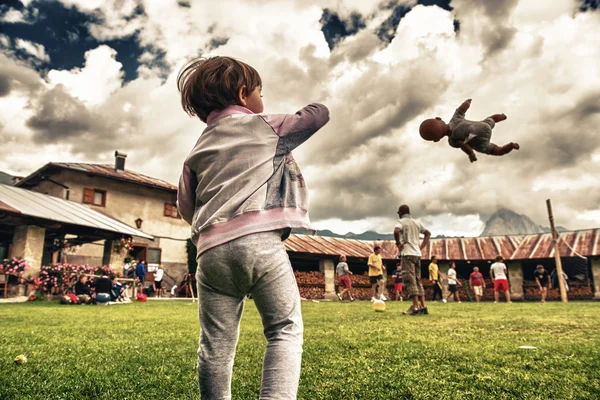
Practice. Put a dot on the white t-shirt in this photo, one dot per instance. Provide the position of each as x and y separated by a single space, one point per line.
158 275
498 270
409 235
451 276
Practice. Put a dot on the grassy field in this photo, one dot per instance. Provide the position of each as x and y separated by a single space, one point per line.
459 351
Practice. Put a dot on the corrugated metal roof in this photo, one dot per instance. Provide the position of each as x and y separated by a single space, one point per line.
313 244
585 243
33 204
108 171
515 247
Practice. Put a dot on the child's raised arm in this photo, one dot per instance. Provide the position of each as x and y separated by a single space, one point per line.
186 194
295 129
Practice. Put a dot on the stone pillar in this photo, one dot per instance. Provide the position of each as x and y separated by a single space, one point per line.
110 258
327 267
443 268
596 277
515 276
28 244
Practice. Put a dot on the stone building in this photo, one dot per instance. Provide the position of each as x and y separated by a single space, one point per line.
146 203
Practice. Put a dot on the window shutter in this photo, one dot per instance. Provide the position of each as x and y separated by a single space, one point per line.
88 196
168 209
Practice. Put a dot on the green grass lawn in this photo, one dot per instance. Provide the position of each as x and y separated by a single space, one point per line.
459 351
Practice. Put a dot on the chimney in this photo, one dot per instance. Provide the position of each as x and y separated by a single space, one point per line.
120 161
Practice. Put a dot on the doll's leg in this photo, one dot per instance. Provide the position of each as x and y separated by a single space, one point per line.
507 148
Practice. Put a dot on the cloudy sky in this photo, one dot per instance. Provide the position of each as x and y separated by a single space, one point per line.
82 78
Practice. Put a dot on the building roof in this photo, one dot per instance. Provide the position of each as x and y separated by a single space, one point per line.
24 202
5 179
585 243
104 170
314 244
511 247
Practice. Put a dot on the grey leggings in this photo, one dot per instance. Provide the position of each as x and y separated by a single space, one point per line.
257 264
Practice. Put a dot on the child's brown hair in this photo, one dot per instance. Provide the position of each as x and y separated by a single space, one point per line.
208 84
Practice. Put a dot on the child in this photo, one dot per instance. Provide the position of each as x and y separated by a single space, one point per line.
344 273
242 192
453 283
398 282
469 136
116 293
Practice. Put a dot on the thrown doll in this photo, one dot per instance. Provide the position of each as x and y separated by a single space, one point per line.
469 136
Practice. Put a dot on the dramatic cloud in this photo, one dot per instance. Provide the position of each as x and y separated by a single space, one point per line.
34 49
81 78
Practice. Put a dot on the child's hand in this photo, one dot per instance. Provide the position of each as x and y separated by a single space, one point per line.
472 157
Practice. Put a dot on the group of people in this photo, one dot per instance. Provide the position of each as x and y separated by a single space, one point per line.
136 269
498 274
102 290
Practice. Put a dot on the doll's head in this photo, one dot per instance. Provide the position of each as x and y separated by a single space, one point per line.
433 129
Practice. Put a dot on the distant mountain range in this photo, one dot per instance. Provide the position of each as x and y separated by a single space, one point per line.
368 235
502 222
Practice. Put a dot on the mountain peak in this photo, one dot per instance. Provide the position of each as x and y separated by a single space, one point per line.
508 222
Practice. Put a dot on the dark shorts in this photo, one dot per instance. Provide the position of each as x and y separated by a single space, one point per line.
375 279
544 284
158 284
345 281
452 288
411 275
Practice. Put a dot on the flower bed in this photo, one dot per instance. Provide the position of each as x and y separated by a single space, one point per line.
13 266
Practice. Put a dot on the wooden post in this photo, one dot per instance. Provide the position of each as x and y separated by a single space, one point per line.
191 288
559 270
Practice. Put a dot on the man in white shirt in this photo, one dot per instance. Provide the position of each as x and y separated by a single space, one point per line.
407 233
158 277
498 273
453 282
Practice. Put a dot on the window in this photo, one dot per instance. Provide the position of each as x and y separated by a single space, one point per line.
171 210
95 197
154 255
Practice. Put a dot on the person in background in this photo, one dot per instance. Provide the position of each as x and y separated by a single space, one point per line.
434 276
140 273
477 282
498 273
158 278
453 283
117 290
376 269
398 282
407 235
344 273
83 290
103 289
127 266
542 278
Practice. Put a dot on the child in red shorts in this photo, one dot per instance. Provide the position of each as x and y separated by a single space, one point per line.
344 273
398 282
